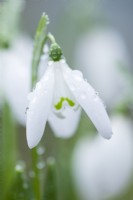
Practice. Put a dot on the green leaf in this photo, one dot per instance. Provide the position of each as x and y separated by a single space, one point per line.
50 185
39 41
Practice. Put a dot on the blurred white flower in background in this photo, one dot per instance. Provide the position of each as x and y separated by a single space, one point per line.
15 64
99 53
103 169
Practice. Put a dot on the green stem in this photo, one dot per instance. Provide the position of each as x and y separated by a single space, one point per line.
36 177
51 38
1 156
9 150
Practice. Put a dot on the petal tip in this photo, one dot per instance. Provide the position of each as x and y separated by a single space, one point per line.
31 145
108 135
32 142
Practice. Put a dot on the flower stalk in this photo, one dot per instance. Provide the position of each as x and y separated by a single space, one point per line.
39 42
9 150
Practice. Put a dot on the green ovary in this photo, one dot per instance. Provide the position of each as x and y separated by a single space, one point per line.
58 106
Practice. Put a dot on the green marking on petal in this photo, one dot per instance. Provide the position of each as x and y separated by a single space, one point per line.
58 106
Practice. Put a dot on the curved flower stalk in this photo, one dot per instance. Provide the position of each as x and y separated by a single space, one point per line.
15 82
58 98
102 170
101 53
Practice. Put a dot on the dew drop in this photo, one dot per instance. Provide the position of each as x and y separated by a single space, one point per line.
27 108
83 95
104 104
40 165
85 80
19 168
77 75
96 95
40 151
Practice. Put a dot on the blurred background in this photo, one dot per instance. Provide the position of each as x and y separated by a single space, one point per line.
96 37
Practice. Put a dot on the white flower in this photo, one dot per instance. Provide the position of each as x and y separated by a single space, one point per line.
15 65
57 98
100 52
104 169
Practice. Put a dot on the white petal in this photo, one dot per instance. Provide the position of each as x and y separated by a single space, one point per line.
43 65
66 125
89 100
39 107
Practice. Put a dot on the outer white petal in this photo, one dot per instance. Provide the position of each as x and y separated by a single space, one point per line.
39 107
43 65
66 125
87 97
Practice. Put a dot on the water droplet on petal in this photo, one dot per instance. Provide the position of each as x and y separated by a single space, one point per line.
96 95
85 80
83 95
77 75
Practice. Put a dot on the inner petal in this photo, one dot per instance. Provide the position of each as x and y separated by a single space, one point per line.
62 96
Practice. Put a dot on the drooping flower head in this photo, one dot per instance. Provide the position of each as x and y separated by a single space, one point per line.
58 98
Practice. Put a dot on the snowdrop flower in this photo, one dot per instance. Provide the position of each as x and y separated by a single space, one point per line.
58 97
15 65
100 53
104 169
